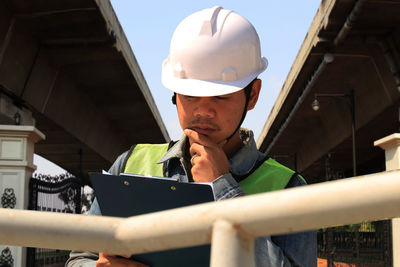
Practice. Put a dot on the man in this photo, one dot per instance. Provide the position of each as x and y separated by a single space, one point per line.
212 69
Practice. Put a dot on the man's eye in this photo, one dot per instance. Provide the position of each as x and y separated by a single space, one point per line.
221 97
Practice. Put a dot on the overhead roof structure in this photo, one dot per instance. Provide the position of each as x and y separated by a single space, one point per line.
352 45
70 64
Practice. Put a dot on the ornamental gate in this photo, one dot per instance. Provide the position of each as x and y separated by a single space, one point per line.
60 193
365 244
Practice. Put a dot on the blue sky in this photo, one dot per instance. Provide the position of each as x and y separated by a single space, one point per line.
148 25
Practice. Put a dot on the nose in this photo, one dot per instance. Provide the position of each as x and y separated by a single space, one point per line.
204 108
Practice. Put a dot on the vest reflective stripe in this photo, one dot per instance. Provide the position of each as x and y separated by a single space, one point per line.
143 160
269 176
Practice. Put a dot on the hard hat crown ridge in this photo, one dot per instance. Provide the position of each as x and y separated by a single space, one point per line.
208 27
213 52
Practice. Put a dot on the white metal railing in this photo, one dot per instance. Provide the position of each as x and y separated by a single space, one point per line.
230 225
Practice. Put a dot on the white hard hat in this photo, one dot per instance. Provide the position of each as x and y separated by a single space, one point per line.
213 52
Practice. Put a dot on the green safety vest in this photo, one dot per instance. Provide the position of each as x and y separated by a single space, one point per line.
269 176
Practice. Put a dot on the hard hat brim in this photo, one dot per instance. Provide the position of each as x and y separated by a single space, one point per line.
201 88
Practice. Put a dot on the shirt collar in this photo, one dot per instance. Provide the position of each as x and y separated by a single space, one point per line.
241 163
246 158
176 151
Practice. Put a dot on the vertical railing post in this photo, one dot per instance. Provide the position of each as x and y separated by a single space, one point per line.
230 247
391 145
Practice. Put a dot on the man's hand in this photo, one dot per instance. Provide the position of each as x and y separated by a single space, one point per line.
115 261
208 160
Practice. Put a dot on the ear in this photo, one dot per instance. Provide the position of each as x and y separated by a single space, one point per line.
173 99
255 92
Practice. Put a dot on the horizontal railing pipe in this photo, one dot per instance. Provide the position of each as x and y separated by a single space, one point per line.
364 198
57 230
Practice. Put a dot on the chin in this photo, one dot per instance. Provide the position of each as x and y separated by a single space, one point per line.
217 140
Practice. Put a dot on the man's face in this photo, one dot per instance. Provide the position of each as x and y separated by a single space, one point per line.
215 117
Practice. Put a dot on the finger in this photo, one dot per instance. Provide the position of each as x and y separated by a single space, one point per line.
125 256
113 255
106 255
195 137
115 260
192 159
197 149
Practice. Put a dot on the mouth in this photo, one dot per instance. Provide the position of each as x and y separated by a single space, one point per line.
203 129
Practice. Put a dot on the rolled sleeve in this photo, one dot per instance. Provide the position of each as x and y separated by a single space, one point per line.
226 187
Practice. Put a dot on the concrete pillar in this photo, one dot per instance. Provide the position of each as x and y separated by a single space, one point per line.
16 167
391 145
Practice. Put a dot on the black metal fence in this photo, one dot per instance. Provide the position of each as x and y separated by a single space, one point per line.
60 193
366 244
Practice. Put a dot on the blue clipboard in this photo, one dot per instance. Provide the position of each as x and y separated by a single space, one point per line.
131 195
